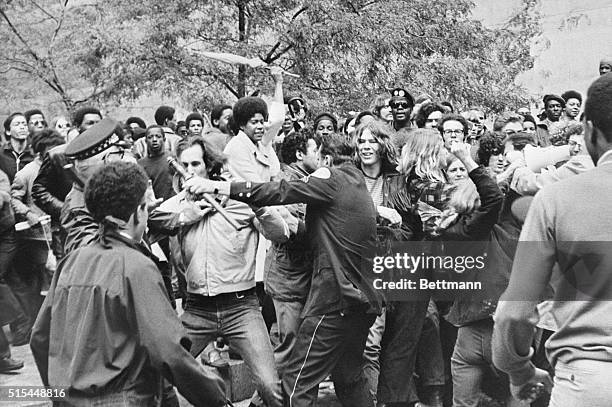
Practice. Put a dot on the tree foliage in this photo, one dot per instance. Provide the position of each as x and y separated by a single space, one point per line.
345 51
51 47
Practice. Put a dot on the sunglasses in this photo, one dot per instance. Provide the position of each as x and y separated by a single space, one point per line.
39 123
399 105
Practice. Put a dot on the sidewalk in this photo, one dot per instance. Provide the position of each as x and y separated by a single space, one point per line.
28 376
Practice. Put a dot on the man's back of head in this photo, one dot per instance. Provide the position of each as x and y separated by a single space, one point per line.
164 115
115 193
336 149
598 117
216 116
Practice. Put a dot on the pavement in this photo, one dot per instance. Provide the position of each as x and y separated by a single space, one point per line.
28 376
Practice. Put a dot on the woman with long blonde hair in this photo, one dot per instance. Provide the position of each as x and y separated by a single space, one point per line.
423 156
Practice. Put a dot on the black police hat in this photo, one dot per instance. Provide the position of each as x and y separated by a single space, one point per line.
94 140
401 93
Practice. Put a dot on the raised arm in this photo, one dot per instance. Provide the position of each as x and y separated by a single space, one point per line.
319 188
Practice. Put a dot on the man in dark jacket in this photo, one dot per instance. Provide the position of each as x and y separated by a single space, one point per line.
342 303
53 182
110 297
16 153
289 265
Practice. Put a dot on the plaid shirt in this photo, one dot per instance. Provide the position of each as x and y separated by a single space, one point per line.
434 193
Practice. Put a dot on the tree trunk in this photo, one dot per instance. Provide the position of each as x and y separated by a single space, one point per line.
242 21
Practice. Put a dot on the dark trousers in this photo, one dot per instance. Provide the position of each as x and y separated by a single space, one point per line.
403 325
329 344
288 317
5 349
10 308
29 275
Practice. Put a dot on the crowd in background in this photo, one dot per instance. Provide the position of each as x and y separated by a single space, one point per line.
433 173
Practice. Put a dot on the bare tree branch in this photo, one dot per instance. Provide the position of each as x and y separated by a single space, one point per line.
43 10
58 26
19 36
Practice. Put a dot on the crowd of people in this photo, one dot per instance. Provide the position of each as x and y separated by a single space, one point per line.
264 216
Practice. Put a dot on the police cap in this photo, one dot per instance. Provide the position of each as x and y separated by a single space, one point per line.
94 140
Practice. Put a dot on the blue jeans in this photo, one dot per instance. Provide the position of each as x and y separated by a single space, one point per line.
237 318
371 354
472 359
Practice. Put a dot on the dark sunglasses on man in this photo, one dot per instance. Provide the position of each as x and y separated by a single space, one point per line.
399 105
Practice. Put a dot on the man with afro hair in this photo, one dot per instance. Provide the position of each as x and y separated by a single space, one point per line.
250 157
125 337
195 124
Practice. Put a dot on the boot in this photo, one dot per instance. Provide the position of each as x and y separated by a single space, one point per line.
10 364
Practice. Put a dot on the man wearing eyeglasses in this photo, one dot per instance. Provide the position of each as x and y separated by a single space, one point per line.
401 104
36 120
453 128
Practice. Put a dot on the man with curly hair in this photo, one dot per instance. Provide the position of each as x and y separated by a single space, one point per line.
124 336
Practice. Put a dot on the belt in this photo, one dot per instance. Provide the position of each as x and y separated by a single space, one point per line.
196 299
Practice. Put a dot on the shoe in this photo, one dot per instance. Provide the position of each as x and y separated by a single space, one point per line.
9 364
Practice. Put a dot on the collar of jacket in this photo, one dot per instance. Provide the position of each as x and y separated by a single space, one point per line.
108 235
297 170
9 148
257 150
